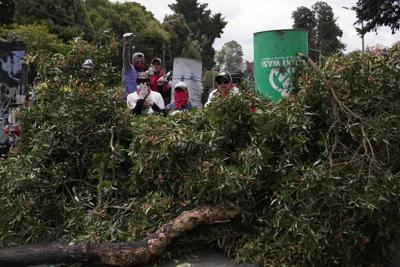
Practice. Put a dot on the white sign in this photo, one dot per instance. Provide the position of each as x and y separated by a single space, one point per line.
189 71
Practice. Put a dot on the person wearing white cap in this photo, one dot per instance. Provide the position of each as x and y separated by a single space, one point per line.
181 98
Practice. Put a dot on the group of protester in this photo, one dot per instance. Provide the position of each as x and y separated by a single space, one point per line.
148 92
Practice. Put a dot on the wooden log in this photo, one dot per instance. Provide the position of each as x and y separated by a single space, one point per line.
117 254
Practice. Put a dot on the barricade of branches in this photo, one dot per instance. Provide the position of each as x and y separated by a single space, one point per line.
315 177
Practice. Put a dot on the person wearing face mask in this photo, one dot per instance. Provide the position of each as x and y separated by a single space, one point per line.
155 72
130 69
181 98
145 101
224 83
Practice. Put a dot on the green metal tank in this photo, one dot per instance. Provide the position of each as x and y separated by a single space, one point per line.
275 55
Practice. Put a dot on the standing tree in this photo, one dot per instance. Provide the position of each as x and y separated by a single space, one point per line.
304 18
230 56
179 31
321 24
328 32
378 13
7 9
204 26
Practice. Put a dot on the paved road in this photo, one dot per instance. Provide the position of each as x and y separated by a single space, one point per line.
201 259
204 259
215 259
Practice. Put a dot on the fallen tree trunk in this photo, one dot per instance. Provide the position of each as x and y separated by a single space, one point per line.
117 254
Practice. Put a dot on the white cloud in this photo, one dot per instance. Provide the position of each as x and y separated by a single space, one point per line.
250 16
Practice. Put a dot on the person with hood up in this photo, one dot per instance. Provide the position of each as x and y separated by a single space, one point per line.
130 68
224 83
181 98
145 101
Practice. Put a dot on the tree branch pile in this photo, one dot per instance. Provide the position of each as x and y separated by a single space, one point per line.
315 177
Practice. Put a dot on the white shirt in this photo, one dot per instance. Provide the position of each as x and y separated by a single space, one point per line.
215 93
153 98
211 96
235 90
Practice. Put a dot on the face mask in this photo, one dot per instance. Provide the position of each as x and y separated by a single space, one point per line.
139 66
181 98
142 90
157 67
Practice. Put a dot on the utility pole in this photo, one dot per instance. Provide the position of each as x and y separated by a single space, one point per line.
362 35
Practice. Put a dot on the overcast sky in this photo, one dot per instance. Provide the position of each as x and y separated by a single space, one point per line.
246 17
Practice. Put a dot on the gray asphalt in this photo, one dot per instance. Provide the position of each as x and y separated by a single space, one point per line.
204 259
200 259
216 259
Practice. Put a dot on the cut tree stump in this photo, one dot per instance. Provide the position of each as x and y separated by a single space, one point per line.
117 254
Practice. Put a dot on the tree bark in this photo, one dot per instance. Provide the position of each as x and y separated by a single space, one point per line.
117 254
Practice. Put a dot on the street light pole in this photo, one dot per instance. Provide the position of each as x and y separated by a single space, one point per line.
362 29
362 34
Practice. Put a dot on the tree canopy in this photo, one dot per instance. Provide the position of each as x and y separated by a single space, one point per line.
324 33
230 57
190 30
304 18
204 26
191 50
67 19
98 22
36 37
376 13
179 31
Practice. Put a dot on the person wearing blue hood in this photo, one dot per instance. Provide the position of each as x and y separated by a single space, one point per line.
130 68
